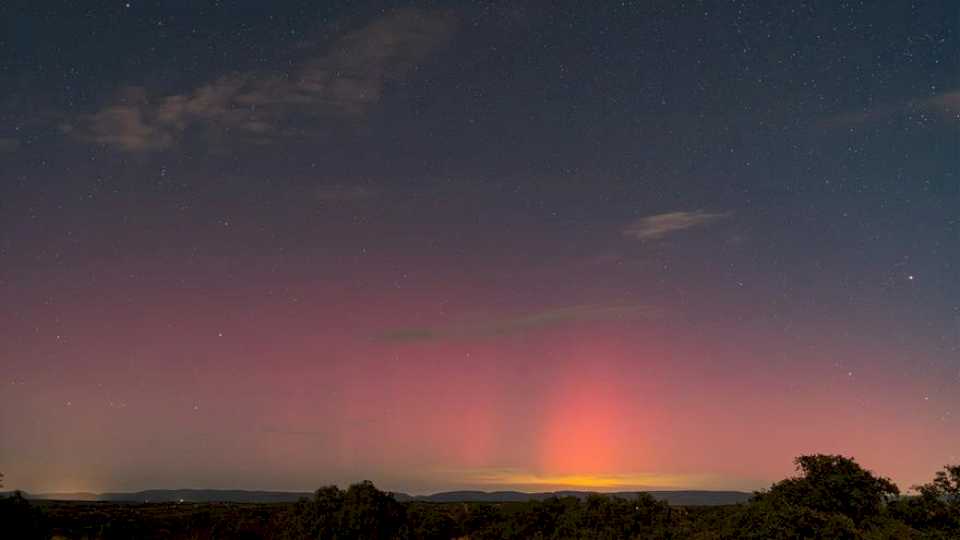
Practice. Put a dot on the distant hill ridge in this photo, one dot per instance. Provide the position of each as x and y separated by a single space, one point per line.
686 497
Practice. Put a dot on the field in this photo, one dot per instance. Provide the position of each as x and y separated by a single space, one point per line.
107 520
70 520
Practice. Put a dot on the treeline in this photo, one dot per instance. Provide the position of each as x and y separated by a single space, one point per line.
831 497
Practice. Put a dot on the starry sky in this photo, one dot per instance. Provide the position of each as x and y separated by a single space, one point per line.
442 245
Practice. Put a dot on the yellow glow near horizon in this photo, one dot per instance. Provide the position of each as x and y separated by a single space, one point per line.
592 481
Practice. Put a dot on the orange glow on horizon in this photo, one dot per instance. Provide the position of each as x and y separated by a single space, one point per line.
590 424
523 480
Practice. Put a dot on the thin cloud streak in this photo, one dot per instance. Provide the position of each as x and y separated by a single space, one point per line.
341 84
530 321
944 106
659 226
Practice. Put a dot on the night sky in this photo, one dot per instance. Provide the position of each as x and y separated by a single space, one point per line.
278 245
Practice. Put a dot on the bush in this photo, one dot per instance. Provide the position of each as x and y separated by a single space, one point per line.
361 512
19 519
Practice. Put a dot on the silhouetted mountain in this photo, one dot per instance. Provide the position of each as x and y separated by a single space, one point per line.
178 495
705 498
690 498
74 496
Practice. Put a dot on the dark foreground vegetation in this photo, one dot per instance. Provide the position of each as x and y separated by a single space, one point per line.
831 498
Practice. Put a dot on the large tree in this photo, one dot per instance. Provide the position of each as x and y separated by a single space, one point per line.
835 485
361 512
937 504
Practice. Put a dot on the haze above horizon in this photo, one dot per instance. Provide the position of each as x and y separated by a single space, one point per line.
471 245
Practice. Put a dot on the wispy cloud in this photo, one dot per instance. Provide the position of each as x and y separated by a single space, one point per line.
520 323
341 82
944 106
659 226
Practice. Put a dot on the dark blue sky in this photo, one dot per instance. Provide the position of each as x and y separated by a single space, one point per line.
778 182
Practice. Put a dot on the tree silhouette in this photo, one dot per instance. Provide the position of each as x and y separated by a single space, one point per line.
834 484
830 497
937 506
360 512
22 520
945 486
370 513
